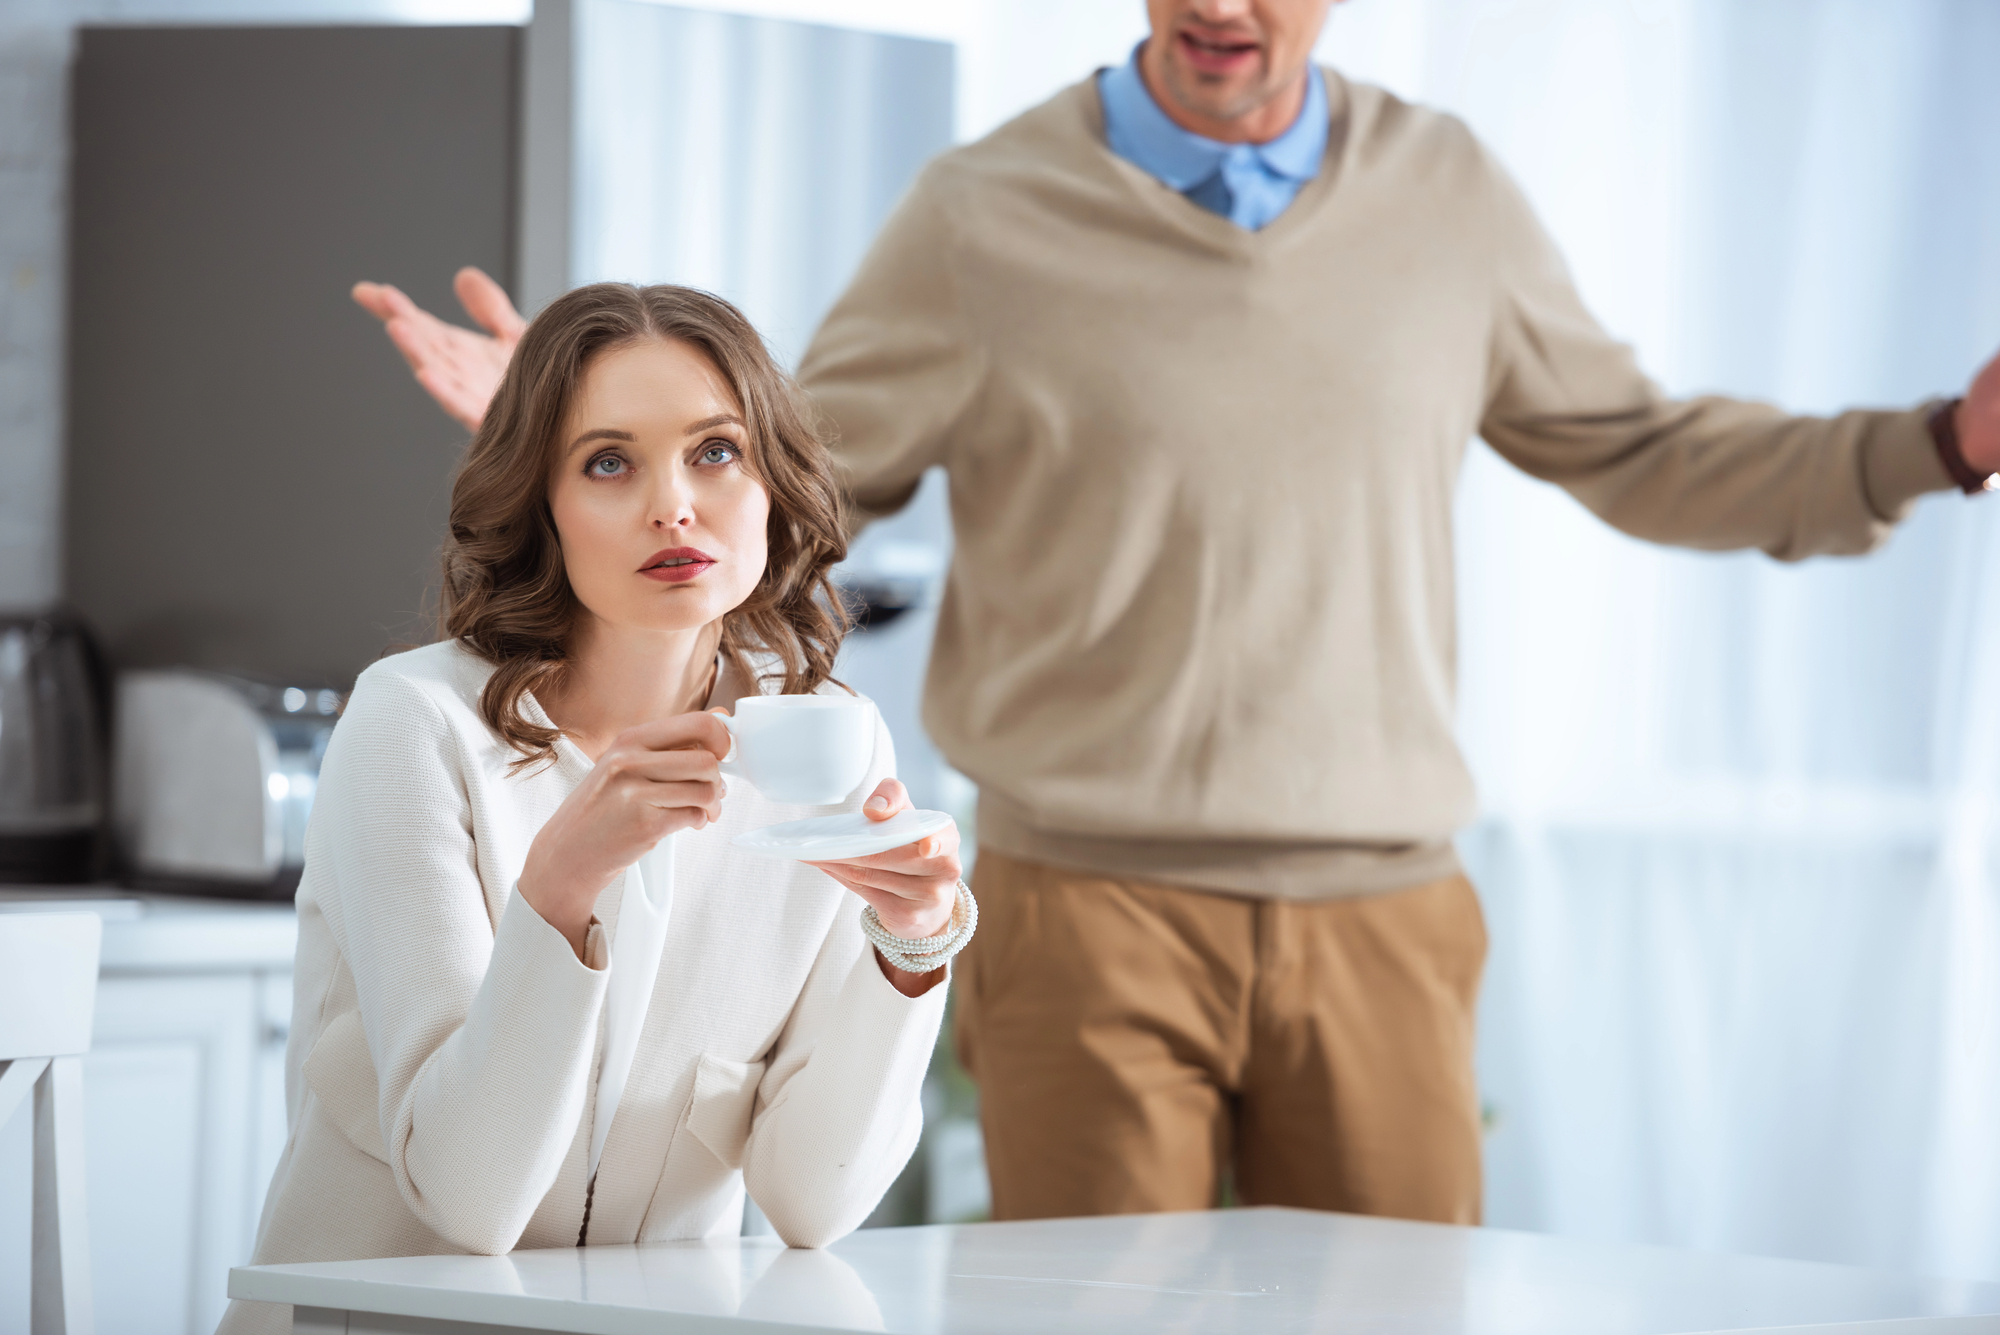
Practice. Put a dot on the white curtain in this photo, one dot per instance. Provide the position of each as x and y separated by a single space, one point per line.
1738 842
748 156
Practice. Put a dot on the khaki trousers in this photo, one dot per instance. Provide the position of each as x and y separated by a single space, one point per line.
1133 1043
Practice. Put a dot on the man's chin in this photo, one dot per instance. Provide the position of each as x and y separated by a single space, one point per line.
1222 105
1215 97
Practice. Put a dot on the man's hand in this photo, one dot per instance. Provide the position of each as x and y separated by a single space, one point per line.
1979 420
461 369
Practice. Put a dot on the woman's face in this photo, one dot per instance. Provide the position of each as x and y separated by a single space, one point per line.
662 524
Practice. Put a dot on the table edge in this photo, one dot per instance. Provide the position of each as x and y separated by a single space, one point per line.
272 1284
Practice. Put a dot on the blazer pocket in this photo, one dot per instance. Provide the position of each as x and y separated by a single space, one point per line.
719 1117
342 1073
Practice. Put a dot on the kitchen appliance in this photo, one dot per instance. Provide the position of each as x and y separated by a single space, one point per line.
52 697
213 780
882 578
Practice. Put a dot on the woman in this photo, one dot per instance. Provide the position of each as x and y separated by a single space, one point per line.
641 532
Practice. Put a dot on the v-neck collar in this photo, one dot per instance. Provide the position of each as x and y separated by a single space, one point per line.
1212 228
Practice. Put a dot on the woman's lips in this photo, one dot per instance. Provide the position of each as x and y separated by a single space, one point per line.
1217 57
676 565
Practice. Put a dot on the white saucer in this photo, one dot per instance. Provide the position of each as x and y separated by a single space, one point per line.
832 838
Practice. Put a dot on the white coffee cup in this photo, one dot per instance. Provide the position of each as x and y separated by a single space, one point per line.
807 749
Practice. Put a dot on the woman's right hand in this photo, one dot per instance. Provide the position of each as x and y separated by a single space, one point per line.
651 781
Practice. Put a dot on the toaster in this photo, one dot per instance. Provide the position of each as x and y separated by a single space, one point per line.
213 779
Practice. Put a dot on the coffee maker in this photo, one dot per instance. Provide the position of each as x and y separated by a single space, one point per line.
53 693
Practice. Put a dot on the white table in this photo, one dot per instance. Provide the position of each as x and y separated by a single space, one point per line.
1260 1272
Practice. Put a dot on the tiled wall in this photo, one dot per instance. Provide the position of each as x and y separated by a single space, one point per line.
34 55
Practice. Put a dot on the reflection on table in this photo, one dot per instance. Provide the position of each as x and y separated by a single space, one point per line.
1262 1271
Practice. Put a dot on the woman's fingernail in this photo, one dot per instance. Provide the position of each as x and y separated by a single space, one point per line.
928 848
878 803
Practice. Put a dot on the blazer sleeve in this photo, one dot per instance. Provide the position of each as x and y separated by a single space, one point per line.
894 364
840 1105
481 1033
1568 404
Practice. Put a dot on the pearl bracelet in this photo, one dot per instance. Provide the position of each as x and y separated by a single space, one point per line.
930 952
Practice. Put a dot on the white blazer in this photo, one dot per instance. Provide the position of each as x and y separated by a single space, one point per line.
442 1068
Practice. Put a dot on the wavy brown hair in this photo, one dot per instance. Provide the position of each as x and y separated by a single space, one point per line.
506 595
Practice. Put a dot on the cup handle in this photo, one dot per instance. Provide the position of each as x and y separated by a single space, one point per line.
729 764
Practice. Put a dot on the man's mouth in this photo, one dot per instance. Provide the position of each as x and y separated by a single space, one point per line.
1217 55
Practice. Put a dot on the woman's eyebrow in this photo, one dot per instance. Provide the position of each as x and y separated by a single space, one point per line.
708 423
599 433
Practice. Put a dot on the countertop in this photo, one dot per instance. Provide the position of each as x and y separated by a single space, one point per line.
146 933
1263 1271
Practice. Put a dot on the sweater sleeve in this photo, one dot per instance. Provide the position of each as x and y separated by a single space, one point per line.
840 1106
1568 404
480 1033
894 365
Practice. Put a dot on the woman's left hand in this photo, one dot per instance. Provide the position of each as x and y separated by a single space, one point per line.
913 888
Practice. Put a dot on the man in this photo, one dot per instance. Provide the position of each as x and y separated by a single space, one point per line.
1200 342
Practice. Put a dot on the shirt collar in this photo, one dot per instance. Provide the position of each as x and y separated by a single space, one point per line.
1138 131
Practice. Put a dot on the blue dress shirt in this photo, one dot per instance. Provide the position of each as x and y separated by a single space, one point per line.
1249 184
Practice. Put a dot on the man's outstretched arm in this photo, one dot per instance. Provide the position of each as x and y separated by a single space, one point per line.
1568 404
460 369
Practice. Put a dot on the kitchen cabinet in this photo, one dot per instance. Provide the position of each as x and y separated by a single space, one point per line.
184 1112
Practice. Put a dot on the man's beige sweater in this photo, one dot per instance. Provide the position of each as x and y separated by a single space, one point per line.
1199 624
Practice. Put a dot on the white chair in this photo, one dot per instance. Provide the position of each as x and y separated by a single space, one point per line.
48 991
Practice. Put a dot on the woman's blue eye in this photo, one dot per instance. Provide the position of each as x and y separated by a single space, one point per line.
718 454
605 465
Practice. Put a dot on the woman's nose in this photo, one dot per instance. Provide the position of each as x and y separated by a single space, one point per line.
672 503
